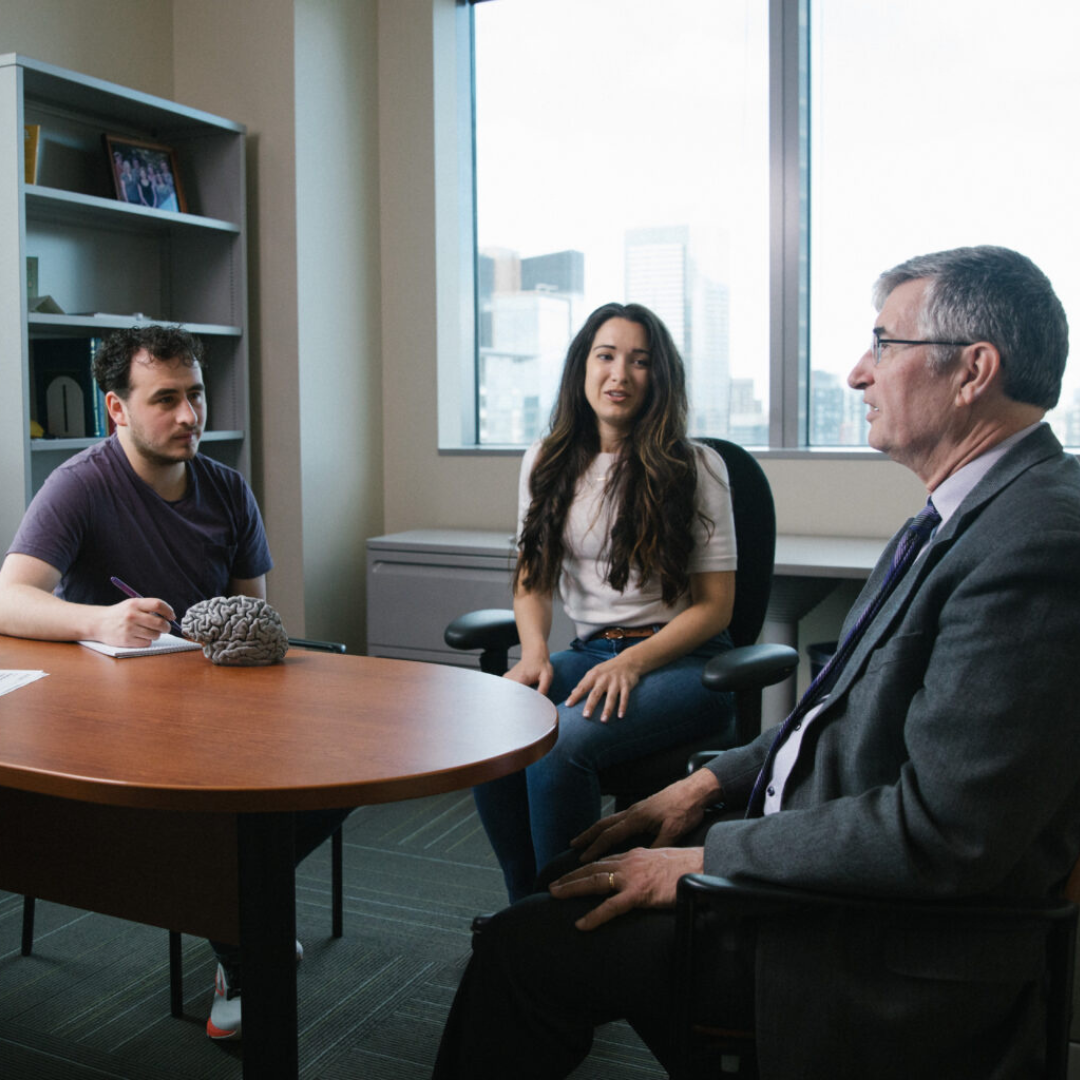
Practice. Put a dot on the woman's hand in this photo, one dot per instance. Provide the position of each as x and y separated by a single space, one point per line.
532 613
610 682
532 672
712 595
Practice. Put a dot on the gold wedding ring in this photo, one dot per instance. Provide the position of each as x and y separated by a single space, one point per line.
611 880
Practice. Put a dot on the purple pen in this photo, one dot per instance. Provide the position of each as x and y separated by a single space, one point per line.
129 591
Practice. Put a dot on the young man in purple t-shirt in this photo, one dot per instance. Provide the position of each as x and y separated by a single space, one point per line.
143 506
146 507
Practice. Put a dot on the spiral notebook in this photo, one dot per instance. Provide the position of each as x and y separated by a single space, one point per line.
165 644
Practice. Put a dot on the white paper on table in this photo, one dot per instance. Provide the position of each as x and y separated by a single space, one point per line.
12 679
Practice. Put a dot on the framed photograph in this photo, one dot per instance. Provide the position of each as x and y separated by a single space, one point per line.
145 173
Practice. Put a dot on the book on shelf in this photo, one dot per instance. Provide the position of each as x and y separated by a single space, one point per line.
64 398
31 143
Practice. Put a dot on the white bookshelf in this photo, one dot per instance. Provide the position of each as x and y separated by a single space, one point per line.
111 264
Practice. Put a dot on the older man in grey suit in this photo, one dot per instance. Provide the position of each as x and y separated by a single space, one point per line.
938 757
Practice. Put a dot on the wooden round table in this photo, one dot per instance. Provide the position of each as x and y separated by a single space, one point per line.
161 789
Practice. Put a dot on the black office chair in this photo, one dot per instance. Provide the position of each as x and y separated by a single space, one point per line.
746 670
176 961
716 918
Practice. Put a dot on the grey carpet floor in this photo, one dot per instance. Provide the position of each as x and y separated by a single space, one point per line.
91 1003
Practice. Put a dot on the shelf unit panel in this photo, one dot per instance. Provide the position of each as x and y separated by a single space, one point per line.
226 391
226 384
110 103
96 325
113 263
76 113
86 269
78 208
69 446
170 276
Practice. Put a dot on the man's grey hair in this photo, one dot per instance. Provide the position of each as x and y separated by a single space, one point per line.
991 294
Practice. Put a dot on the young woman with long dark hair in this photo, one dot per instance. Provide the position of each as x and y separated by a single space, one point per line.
631 523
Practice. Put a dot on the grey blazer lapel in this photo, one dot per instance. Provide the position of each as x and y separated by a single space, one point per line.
894 603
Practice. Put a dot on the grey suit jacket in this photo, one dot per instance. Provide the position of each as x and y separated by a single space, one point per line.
946 763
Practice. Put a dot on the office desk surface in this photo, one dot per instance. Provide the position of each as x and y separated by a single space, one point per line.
175 732
826 556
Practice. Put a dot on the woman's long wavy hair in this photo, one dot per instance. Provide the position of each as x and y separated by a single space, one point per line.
652 483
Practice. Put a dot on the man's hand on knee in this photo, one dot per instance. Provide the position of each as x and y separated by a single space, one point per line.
667 815
641 878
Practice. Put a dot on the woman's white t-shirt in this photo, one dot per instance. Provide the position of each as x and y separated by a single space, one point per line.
590 602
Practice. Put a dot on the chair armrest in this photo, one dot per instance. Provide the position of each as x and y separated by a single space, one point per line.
700 759
322 646
711 913
749 667
487 629
761 898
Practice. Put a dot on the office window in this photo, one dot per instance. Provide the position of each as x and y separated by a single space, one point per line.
747 169
621 154
934 125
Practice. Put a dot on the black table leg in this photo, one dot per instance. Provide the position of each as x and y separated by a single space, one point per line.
268 945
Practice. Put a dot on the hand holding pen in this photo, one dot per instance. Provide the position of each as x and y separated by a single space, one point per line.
129 591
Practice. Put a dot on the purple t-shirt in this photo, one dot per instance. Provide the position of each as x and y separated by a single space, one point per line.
94 518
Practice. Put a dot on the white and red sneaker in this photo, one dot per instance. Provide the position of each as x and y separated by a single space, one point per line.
224 1022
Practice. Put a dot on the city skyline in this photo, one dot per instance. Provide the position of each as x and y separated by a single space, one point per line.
529 308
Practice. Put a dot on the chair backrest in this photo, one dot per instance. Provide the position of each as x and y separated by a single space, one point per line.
755 538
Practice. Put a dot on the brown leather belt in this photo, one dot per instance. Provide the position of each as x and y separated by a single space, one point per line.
617 633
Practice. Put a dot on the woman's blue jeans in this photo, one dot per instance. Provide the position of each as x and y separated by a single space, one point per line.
532 815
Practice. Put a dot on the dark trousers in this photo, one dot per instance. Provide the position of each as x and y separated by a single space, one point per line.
536 987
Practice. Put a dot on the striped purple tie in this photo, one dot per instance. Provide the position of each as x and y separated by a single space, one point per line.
911 543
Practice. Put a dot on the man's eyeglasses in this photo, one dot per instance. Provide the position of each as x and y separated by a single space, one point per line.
879 341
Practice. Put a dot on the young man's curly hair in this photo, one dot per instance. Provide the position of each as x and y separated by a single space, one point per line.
112 363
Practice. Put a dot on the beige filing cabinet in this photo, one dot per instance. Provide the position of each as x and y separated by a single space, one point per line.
418 581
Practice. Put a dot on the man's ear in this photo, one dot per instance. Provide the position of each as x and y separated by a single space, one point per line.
116 408
980 369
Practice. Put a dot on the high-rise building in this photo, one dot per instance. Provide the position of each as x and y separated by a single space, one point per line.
837 413
528 310
559 272
666 270
748 425
658 275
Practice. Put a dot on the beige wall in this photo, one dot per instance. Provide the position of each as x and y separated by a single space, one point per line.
337 178
842 497
123 41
